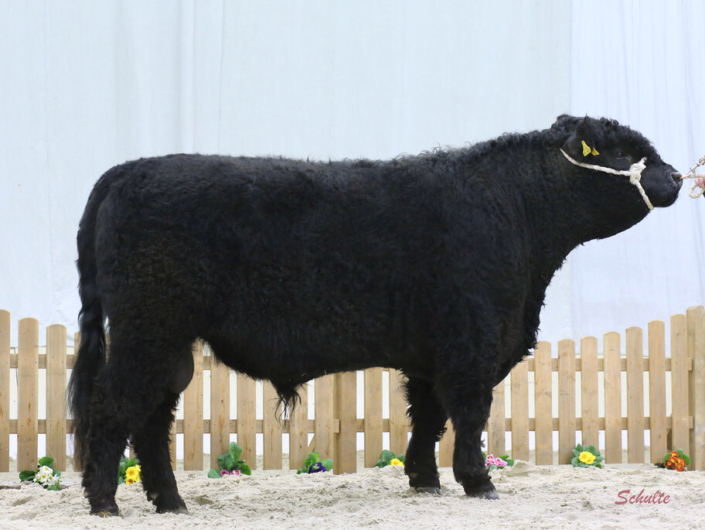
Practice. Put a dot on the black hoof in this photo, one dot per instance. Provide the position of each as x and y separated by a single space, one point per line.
179 509
105 511
167 502
428 489
175 507
483 492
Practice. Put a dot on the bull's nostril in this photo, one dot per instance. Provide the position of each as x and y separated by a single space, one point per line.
676 176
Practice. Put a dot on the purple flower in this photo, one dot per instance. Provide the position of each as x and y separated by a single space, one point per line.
236 472
224 472
316 468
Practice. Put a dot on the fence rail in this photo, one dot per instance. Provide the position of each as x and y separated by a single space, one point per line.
335 424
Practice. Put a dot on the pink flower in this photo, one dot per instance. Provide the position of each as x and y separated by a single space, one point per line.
224 472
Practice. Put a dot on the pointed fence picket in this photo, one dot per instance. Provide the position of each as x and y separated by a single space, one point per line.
599 382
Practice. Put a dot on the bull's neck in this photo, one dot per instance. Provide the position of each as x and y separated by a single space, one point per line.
558 215
553 211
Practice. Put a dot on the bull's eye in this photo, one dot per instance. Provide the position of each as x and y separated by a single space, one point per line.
619 154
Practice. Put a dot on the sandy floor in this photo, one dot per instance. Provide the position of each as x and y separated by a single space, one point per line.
537 497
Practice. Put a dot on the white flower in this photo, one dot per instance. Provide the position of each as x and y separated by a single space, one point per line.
44 474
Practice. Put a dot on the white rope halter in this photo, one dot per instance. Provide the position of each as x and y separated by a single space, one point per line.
634 174
692 192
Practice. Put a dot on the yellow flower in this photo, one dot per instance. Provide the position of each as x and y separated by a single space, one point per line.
586 457
132 474
396 462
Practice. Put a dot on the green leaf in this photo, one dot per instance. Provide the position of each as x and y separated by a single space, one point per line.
309 462
46 461
380 463
593 450
598 465
27 475
387 456
133 462
576 452
575 461
510 462
235 451
245 469
328 464
300 471
687 460
121 480
401 458
55 487
123 467
221 461
57 473
214 473
315 455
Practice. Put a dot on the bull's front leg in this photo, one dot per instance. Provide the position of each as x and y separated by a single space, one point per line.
468 401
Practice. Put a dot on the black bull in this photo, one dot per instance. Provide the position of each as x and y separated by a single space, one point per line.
435 265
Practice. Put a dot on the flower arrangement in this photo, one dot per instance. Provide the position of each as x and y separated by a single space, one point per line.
498 462
314 464
45 475
387 458
677 460
586 457
230 463
129 471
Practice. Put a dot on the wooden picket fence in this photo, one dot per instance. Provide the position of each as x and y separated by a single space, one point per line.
335 424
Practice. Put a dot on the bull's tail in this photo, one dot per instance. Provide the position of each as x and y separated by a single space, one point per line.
91 352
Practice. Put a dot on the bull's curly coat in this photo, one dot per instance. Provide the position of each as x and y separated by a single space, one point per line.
435 265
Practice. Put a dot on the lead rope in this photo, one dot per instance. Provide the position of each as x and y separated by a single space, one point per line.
634 174
691 174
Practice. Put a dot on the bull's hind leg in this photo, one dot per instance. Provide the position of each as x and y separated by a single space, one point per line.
428 419
128 393
107 438
468 401
151 444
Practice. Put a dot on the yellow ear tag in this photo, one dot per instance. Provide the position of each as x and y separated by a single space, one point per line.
586 149
594 152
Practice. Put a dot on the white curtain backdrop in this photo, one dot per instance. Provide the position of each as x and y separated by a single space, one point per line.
85 85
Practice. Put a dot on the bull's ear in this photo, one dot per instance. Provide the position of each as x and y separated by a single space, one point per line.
581 143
